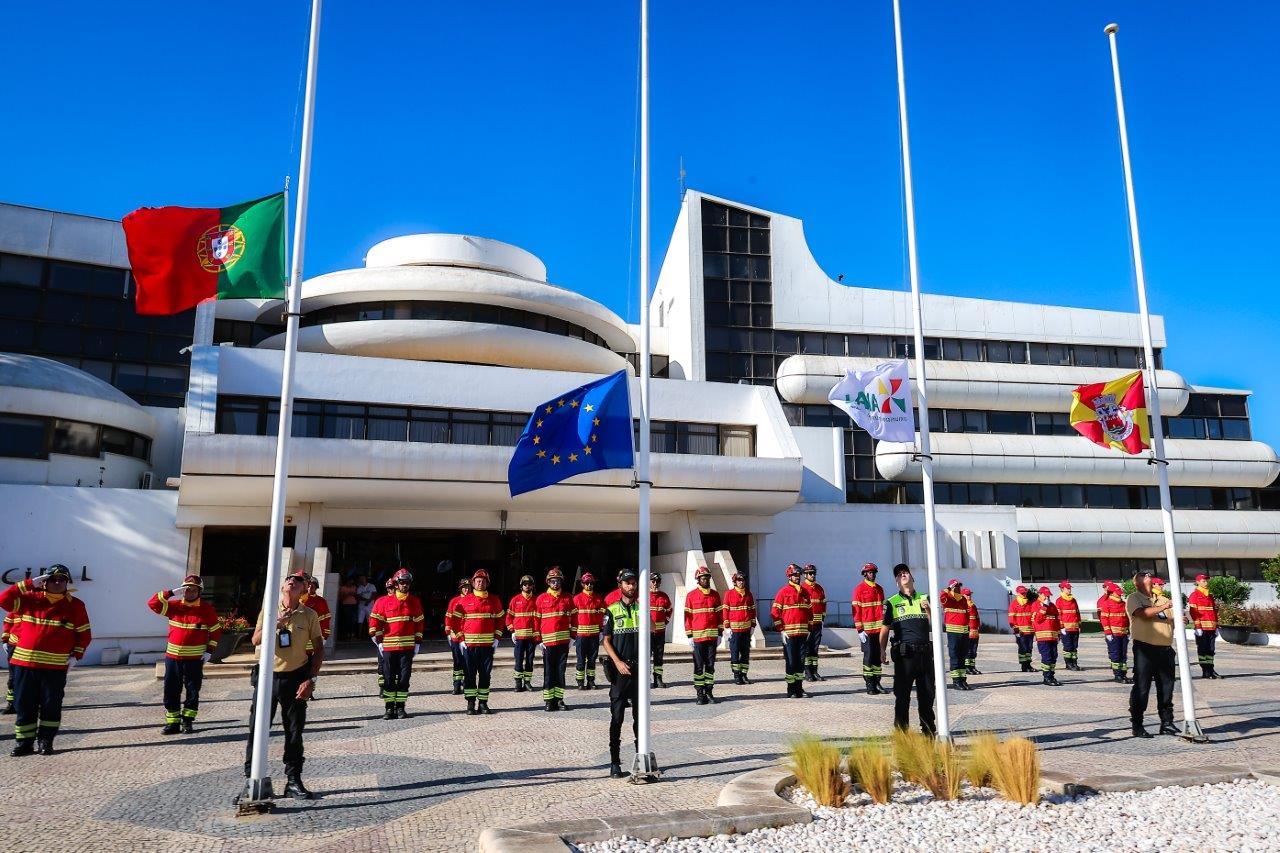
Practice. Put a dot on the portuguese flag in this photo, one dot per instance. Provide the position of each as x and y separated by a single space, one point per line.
1113 414
182 256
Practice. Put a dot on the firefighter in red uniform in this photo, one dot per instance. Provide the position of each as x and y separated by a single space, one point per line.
9 637
791 614
703 622
1020 625
588 617
660 611
817 601
740 618
193 635
554 614
480 619
1069 613
975 628
1047 626
52 629
955 623
451 632
868 618
521 625
396 624
1115 626
316 602
1202 612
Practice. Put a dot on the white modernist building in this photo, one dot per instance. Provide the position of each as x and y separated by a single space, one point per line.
417 373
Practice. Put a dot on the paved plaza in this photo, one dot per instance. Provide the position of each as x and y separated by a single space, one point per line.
433 782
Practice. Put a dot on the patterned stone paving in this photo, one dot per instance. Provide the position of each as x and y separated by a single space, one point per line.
433 782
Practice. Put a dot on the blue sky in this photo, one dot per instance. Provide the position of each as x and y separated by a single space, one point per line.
517 121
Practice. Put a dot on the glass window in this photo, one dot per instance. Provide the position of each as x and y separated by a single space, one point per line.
760 269
739 218
759 241
1015 423
715 265
762 366
971 350
740 291
1213 428
1233 406
20 270
715 290
740 315
74 438
951 349
714 214
17 334
343 420
239 416
166 380
121 442
878 346
1235 430
80 278
697 439
61 340
386 426
982 493
932 348
22 437
470 428
739 267
761 341
998 351
1008 494
835 344
662 437
738 240
1058 354
975 421
714 239
812 343
1086 356
1071 495
131 378
758 221
717 313
430 426
507 427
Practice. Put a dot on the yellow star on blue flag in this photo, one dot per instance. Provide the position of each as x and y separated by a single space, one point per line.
586 429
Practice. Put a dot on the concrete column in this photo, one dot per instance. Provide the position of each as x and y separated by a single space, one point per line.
328 590
195 550
307 535
203 332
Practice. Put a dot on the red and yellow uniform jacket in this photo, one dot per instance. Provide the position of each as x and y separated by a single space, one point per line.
1045 621
46 631
868 607
9 633
397 617
1111 612
975 621
1020 614
817 601
660 610
479 618
1204 610
739 610
193 625
554 612
522 617
1068 612
448 618
955 612
703 615
588 615
791 610
614 595
321 607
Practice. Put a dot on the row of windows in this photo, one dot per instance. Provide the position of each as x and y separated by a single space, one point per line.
242 333
325 419
31 437
865 486
459 311
738 240
1039 570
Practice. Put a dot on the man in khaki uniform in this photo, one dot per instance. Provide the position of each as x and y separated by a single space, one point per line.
1151 627
299 655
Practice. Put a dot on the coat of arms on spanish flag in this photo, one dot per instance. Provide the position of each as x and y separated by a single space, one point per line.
1113 414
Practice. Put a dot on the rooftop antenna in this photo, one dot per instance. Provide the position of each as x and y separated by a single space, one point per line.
682 177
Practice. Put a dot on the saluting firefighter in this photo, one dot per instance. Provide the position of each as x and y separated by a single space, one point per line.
478 620
554 610
521 619
1020 624
390 587
660 611
455 645
51 630
740 618
703 622
588 616
975 629
193 635
955 623
791 614
396 624
9 637
906 617
1202 611
1115 627
1047 626
868 618
621 635
316 602
818 602
1069 613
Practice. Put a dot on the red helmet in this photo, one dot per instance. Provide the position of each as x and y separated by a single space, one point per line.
587 577
390 584
870 568
966 591
738 576
810 567
1044 590
702 572
402 575
555 573
464 582
953 582
478 574
793 571
1021 590
1064 585
1201 578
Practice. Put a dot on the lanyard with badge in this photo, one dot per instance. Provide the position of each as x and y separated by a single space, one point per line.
284 636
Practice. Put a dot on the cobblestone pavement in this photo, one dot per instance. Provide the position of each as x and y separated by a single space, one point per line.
433 782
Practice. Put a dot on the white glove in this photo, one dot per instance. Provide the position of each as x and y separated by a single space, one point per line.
378 646
177 591
1198 632
542 647
71 661
204 658
462 644
374 639
495 642
417 647
1063 632
862 637
37 582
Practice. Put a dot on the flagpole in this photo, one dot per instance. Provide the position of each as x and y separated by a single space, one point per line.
646 764
922 397
259 784
1190 726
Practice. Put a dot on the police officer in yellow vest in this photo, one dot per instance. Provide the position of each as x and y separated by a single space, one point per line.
621 636
906 615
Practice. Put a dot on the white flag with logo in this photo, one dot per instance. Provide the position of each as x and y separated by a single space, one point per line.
879 401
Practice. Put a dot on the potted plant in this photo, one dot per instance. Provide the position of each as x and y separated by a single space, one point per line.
1233 625
234 629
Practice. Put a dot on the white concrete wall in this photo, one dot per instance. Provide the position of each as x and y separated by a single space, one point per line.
679 293
120 544
67 236
166 447
822 449
107 471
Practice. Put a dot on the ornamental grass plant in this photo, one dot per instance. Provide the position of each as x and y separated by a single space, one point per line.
817 766
871 769
928 762
982 758
1016 773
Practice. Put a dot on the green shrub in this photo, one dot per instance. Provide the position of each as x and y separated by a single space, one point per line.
1266 618
1271 572
1228 591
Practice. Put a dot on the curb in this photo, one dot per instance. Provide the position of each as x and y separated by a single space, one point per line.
750 801
1061 783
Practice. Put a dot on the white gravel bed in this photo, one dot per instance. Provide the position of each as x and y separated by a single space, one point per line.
1240 817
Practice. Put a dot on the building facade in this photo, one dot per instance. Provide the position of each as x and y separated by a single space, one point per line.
417 372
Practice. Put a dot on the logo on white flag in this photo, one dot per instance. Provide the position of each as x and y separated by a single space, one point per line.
879 401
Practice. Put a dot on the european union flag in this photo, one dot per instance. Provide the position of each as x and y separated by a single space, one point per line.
586 429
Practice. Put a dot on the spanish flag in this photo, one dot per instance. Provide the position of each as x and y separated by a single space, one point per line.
1113 414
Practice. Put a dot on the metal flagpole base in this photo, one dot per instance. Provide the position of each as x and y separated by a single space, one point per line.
256 798
645 769
1191 731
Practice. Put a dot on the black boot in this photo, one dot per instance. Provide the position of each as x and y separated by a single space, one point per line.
44 746
879 688
484 707
816 676
582 685
809 675
471 707
188 726
653 683
8 707
560 706
702 696
457 688
295 789
391 710
23 747
171 729
519 686
964 683
1213 672
661 683
551 705
711 696
1139 731
745 680
955 684
400 714
1053 681
1169 729
591 681
971 670
1026 666
871 686
615 770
